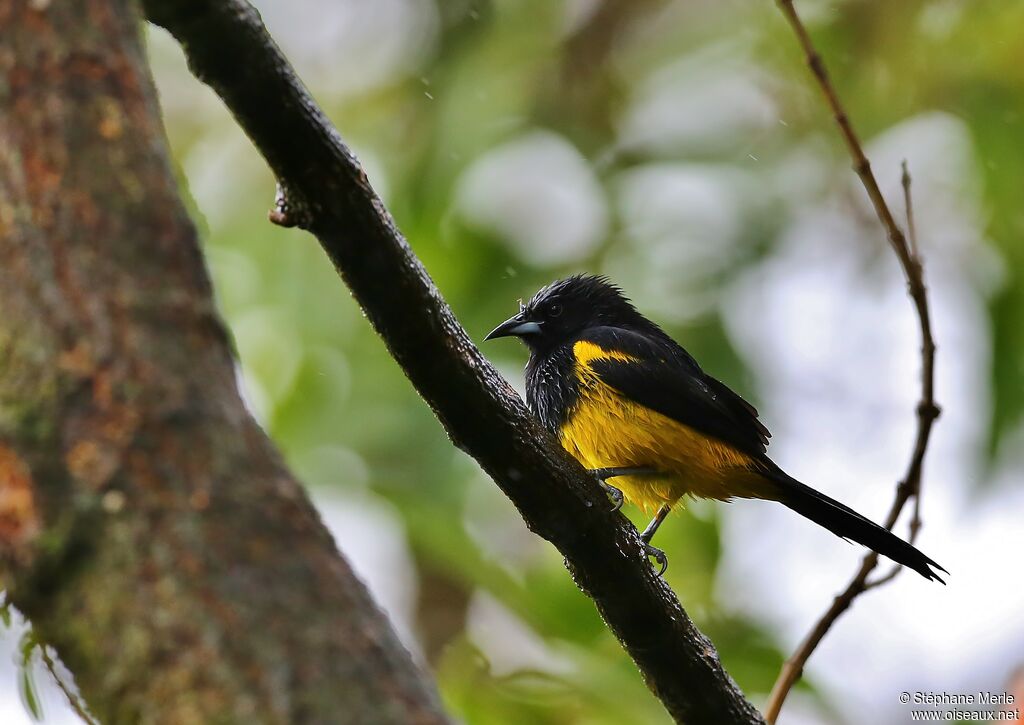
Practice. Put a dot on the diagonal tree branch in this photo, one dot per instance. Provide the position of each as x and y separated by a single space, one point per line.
927 409
324 190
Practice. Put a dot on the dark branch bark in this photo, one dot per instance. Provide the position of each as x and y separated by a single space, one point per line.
147 527
326 192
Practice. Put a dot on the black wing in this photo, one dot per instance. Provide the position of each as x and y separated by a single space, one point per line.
665 378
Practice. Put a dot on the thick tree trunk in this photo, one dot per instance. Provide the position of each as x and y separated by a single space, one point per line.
147 527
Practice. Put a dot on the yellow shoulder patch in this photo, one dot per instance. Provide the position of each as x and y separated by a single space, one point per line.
586 352
606 429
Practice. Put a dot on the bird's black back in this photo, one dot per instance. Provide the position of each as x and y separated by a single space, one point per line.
660 375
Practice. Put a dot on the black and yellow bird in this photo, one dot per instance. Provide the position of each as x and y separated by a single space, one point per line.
631 404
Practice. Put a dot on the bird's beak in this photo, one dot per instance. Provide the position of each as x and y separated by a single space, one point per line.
517 326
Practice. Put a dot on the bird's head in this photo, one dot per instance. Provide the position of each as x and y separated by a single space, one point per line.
565 308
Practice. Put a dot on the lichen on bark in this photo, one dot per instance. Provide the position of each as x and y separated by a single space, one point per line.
148 528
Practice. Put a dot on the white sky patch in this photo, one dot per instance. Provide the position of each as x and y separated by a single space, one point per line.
343 47
372 539
510 645
699 104
680 217
539 195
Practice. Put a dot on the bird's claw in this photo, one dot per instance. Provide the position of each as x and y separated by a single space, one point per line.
603 474
613 493
658 555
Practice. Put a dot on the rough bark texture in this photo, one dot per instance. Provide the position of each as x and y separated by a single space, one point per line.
147 527
327 192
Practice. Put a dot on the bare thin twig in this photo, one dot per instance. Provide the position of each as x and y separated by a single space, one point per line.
908 204
915 520
915 517
74 699
927 410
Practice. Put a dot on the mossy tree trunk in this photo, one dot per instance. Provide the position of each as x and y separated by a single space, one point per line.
148 529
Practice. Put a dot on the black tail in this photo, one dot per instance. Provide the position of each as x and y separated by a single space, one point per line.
847 523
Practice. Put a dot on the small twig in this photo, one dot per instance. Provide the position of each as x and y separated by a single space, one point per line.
909 206
927 410
74 699
915 518
885 578
288 211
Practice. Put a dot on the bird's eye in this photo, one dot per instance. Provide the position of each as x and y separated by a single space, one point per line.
554 310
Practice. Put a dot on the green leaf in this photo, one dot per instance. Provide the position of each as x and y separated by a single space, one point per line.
29 696
5 613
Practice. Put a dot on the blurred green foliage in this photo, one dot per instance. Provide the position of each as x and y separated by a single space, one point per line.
496 72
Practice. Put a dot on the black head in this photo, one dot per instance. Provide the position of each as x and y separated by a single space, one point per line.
559 312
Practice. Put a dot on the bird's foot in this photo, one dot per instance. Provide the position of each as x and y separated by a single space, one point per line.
613 493
658 555
604 474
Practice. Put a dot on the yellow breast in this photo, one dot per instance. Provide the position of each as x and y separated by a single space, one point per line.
605 429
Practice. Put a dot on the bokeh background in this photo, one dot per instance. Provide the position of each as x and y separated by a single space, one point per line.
680 147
